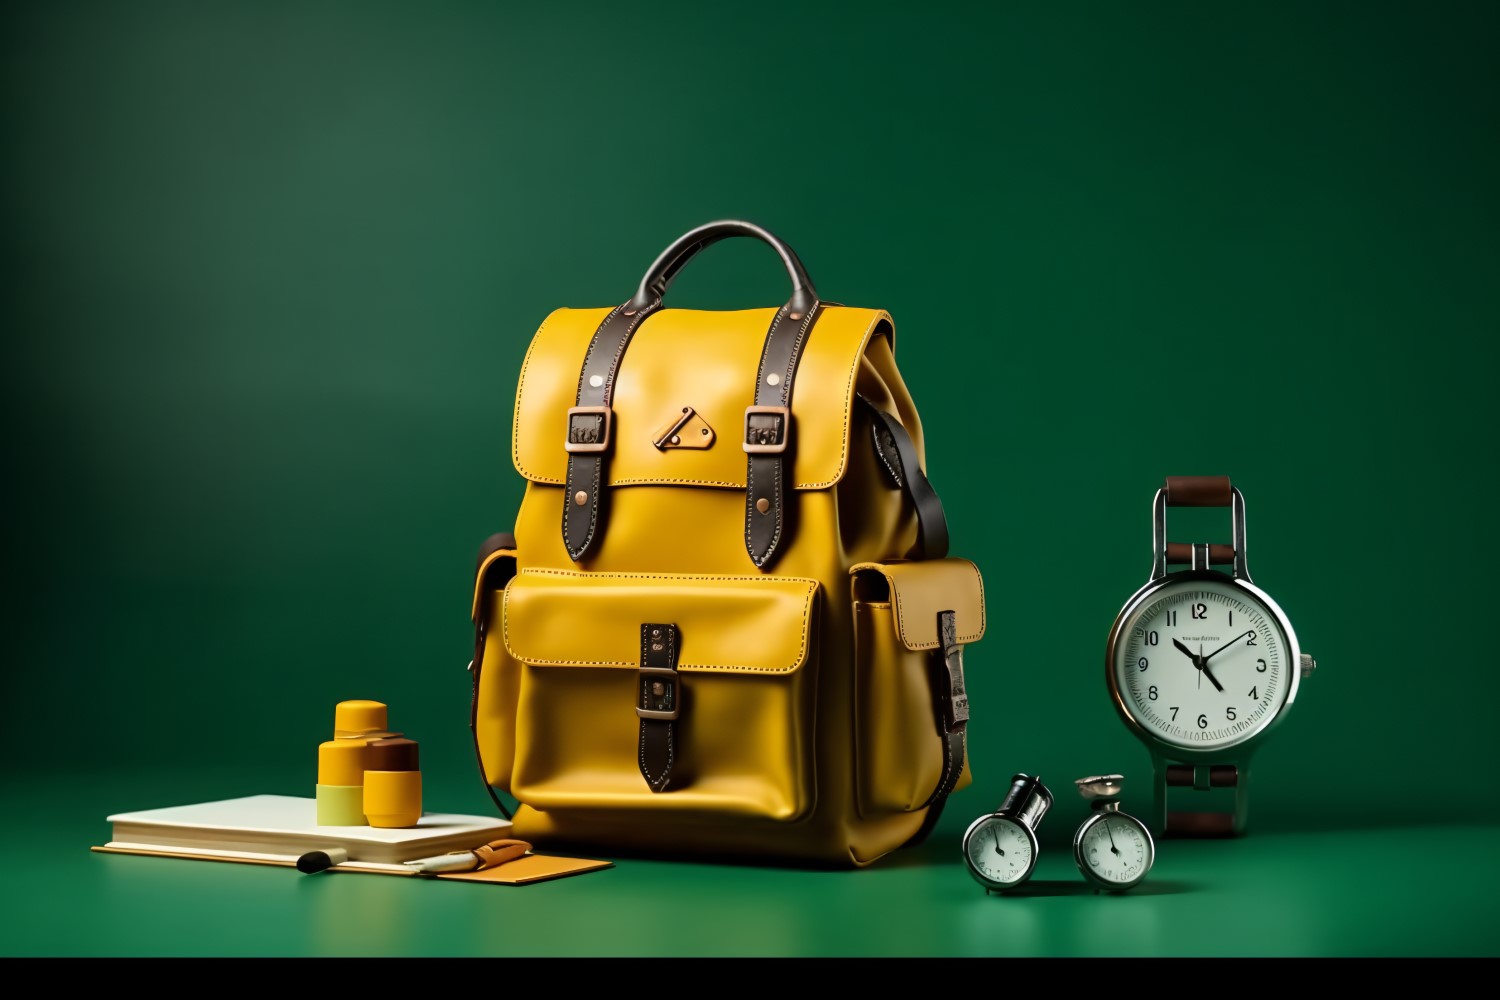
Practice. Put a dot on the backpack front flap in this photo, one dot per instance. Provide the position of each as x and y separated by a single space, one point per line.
678 414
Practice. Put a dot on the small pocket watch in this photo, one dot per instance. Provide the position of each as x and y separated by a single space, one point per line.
1112 848
1000 848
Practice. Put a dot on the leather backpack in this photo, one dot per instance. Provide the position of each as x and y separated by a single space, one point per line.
726 623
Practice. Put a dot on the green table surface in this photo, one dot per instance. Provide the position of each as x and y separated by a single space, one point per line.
1367 890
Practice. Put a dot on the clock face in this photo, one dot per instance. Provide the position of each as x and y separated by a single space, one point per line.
1000 850
1115 849
1202 664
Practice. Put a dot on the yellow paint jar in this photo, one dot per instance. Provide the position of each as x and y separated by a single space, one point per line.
393 784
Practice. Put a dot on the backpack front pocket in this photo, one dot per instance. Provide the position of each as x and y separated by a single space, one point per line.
743 697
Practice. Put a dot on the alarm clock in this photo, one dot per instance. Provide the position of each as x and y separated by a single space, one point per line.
1112 848
1000 848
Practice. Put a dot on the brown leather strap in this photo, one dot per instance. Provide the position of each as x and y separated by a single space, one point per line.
1198 491
1201 778
768 431
1182 552
1200 824
496 575
953 705
591 426
658 703
898 454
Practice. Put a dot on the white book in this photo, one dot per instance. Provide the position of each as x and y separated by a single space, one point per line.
285 826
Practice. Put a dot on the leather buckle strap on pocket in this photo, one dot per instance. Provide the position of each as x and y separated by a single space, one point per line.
658 704
954 705
955 699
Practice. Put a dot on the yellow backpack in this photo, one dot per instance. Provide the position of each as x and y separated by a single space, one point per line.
725 623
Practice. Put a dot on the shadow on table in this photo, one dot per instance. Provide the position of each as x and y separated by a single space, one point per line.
1078 887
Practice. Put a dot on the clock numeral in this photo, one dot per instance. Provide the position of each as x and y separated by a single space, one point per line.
1202 722
1253 695
1229 713
1250 638
1200 610
1152 638
1231 617
1173 710
1260 666
1151 692
1141 663
1171 618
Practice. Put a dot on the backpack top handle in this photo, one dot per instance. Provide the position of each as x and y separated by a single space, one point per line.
767 433
660 275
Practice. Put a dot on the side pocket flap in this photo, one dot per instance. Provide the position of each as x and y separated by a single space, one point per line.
919 591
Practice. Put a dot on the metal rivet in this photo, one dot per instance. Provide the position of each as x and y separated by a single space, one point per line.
676 439
656 633
686 409
580 498
596 380
773 379
762 505
794 316
704 432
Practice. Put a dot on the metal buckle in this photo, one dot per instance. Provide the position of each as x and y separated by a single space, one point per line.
1159 535
658 698
767 436
956 705
588 429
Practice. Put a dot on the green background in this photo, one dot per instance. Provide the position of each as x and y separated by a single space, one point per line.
270 269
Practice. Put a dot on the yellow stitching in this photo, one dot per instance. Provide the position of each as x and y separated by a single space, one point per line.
515 416
812 589
848 405
881 316
610 574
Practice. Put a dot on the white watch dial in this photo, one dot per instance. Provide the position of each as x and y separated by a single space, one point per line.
1202 664
1115 849
999 849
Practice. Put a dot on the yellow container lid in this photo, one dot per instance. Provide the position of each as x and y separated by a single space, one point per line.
351 717
342 762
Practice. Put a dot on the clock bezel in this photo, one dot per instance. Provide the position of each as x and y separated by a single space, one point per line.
984 880
1089 873
1178 751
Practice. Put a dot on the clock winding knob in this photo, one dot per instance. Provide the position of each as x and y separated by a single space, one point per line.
1308 665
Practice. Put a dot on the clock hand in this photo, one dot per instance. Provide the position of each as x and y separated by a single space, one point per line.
1226 645
1200 662
1111 833
996 835
1203 666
